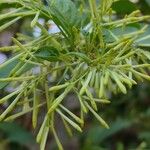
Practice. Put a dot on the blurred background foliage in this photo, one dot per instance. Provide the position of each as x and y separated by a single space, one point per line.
128 115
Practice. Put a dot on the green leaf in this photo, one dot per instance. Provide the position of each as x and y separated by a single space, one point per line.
6 25
47 53
111 35
144 39
144 135
148 2
80 55
98 135
9 65
5 4
124 7
15 133
6 69
65 14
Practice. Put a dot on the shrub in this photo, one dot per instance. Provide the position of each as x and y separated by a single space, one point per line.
93 55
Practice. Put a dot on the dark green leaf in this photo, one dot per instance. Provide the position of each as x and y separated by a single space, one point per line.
16 133
80 55
124 7
65 14
47 53
5 70
148 2
10 4
98 134
144 39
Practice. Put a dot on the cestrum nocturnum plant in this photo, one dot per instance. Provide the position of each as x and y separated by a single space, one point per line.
93 55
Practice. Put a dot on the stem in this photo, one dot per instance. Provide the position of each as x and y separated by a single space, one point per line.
17 79
93 9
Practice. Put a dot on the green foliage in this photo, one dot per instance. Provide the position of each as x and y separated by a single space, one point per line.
129 116
6 69
47 53
91 56
123 10
15 133
98 135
